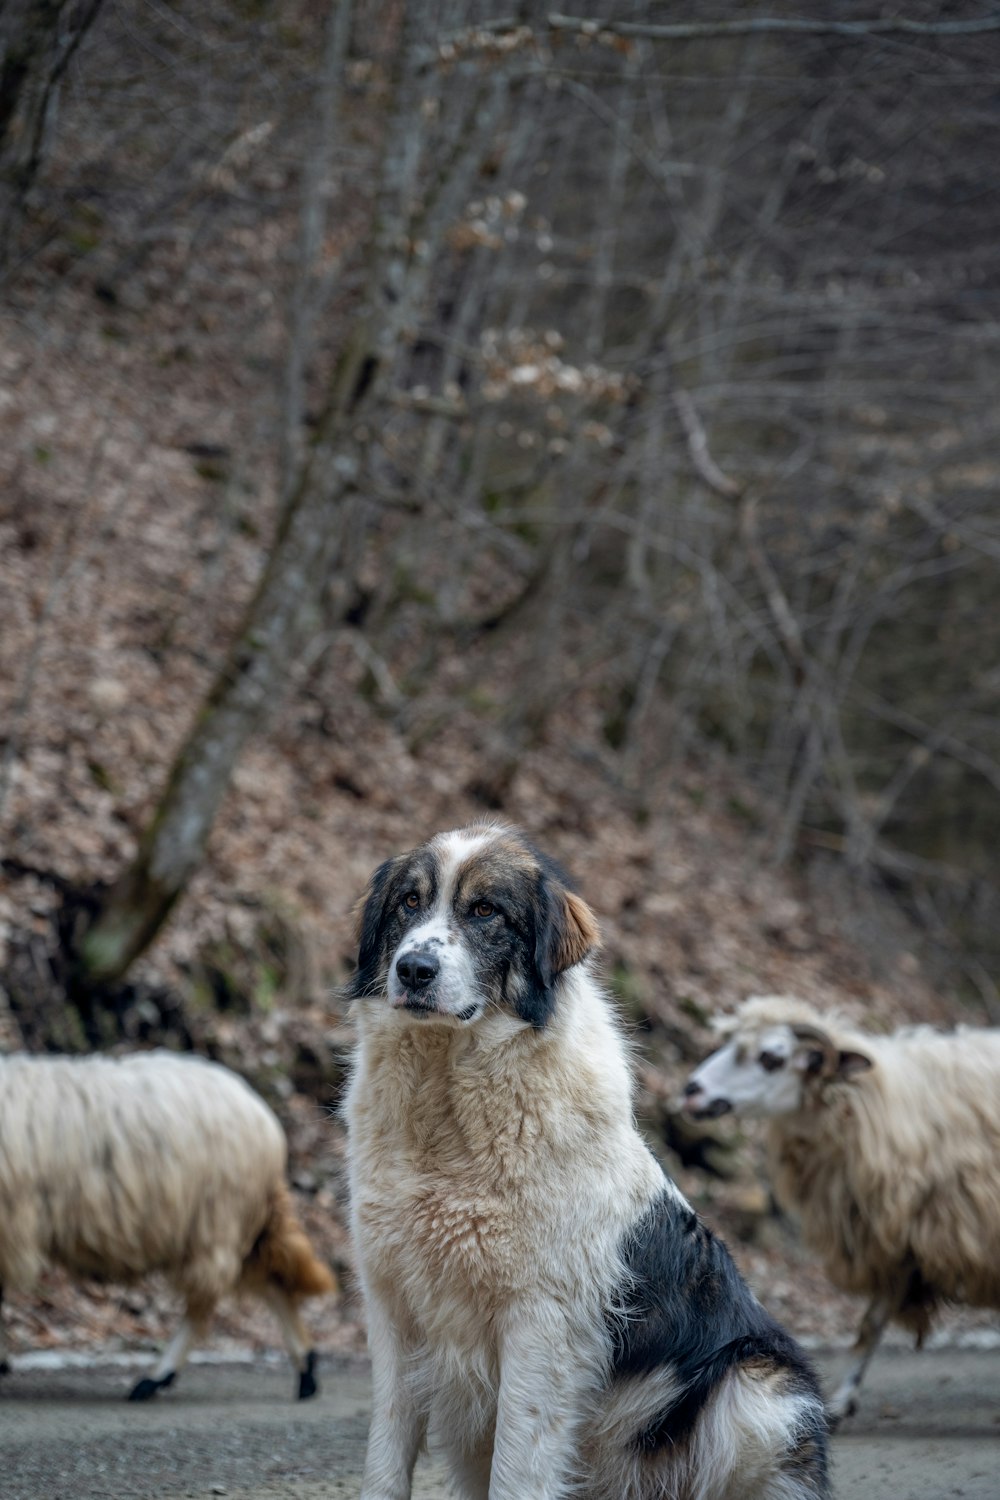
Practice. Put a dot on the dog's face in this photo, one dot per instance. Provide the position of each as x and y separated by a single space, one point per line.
474 921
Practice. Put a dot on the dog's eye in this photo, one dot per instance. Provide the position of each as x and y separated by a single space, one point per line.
411 900
483 909
771 1061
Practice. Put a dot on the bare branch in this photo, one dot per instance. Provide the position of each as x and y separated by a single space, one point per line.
781 610
697 439
682 31
303 310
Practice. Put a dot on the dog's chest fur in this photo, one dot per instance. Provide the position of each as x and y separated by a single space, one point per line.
476 1172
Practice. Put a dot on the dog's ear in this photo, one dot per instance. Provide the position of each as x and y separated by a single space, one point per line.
565 932
369 923
572 932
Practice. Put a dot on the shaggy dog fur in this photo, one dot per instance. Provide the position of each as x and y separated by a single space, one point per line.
541 1299
113 1168
887 1149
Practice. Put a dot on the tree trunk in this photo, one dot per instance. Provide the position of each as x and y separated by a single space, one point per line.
305 551
303 555
134 908
37 40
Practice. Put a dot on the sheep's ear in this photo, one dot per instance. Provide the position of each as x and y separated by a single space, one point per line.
849 1063
815 1055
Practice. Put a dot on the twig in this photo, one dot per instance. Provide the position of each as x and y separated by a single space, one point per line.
697 438
781 610
303 309
681 31
659 171
428 405
384 679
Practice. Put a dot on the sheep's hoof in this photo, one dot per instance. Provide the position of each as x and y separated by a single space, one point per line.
839 1410
147 1387
307 1380
145 1390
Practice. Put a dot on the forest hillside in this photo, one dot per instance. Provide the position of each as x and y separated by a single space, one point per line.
410 414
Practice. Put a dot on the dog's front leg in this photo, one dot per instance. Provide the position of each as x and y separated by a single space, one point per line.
398 1423
546 1371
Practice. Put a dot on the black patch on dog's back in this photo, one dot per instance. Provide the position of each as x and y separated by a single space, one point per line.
684 1304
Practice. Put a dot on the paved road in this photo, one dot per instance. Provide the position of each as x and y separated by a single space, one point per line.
930 1430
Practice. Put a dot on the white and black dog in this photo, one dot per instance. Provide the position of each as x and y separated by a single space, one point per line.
542 1301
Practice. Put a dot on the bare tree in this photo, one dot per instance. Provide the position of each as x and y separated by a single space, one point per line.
37 40
408 222
775 514
664 388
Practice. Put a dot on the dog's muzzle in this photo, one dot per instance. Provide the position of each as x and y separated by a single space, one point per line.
416 971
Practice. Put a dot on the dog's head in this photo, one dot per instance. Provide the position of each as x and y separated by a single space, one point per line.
473 921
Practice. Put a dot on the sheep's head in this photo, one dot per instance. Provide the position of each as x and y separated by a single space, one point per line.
767 1067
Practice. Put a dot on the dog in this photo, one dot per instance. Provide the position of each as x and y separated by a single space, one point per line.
542 1301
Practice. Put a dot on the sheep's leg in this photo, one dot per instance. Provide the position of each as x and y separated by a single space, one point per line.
843 1403
297 1340
165 1370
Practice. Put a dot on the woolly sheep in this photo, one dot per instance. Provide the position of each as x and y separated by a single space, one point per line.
116 1167
887 1149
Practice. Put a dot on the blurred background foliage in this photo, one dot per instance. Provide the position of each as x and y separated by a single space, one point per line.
633 369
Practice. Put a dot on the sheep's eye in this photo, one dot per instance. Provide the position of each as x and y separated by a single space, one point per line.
483 909
411 900
771 1061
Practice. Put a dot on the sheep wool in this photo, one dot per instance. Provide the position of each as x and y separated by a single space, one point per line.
117 1167
910 1155
886 1149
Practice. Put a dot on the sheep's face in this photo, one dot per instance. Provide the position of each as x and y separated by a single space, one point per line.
760 1073
767 1071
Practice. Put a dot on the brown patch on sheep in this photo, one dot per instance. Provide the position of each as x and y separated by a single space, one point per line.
282 1255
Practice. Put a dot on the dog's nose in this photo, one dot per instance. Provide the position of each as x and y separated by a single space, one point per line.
417 968
691 1088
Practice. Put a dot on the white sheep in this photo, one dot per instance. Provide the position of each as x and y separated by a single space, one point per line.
886 1149
116 1167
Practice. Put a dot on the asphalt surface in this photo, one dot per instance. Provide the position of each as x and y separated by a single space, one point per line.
929 1429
